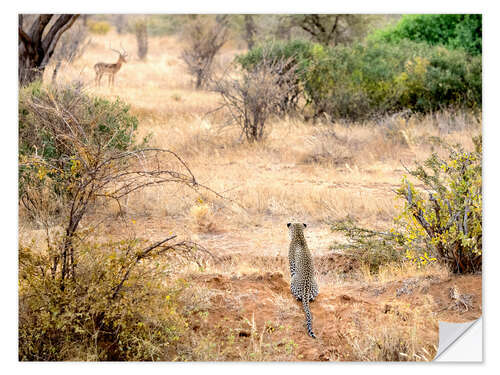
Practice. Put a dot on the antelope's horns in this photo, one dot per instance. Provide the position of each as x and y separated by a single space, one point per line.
124 52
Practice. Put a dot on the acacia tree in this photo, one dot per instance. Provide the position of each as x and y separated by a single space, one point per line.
37 44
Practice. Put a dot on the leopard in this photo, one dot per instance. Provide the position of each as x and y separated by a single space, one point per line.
303 284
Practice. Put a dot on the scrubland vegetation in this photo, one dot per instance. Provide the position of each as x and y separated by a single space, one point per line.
152 214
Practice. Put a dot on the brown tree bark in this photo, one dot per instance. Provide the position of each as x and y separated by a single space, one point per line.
37 45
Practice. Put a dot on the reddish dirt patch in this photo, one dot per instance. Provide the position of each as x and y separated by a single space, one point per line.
339 314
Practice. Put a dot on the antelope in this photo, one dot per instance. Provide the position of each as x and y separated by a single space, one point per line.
109 69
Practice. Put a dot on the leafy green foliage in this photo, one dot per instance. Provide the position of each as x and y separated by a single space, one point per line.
300 50
365 80
454 31
61 129
105 123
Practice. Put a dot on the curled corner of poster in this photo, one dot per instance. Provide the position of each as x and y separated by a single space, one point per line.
460 342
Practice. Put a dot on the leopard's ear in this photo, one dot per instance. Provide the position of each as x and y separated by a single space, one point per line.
305 225
288 225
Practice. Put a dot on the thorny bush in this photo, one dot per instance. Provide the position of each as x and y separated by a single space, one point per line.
118 307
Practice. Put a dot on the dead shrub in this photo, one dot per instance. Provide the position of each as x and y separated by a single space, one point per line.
117 307
205 37
396 338
252 99
327 148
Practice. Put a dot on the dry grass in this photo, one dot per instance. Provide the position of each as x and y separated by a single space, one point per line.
397 338
317 172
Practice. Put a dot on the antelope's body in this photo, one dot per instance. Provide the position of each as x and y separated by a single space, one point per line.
110 69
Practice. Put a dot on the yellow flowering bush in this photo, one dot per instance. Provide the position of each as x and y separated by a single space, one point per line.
442 224
99 27
446 220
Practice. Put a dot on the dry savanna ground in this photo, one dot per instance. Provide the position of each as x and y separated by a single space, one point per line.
304 172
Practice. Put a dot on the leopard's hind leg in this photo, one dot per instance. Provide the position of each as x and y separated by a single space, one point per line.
294 288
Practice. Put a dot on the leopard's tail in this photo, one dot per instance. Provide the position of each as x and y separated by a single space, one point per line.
305 304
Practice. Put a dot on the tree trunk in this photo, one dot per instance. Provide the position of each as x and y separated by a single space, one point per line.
250 30
37 45
141 33
199 80
28 68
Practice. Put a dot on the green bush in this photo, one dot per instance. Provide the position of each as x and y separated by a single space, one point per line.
100 120
51 119
454 31
365 80
300 50
372 248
